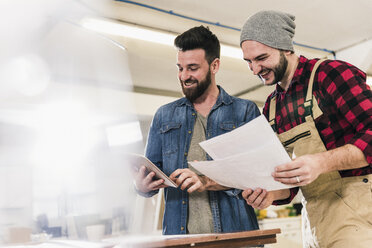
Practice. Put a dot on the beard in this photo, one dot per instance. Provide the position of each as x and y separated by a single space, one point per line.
279 70
194 93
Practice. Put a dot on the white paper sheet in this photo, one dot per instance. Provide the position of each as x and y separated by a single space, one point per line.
252 135
245 157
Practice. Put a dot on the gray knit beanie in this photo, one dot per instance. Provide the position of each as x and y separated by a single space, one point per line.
272 28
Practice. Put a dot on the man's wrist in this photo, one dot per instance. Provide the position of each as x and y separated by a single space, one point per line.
281 194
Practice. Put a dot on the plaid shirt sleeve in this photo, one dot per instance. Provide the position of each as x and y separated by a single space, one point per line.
346 86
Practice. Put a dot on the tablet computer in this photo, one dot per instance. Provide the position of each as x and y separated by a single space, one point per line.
137 160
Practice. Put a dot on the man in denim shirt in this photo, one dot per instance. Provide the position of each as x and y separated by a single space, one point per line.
198 205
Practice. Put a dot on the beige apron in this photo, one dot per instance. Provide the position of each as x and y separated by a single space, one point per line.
339 209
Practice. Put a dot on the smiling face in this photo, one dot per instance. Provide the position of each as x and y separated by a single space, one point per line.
269 64
194 73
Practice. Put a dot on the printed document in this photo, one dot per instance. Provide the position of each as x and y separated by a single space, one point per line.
245 157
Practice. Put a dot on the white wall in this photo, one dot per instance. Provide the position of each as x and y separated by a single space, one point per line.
359 55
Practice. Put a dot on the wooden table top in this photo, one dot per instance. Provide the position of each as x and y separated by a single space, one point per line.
225 240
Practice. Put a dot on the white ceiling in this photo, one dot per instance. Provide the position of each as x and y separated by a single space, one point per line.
333 25
321 24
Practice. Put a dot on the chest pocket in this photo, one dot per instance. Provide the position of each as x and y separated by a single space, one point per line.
302 139
297 142
171 137
227 126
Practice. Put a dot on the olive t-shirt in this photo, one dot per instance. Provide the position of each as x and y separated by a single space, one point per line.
199 215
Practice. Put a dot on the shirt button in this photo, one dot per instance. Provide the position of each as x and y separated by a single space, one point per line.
183 202
193 114
365 180
233 126
182 228
189 131
185 153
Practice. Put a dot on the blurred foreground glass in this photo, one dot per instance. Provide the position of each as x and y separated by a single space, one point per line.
62 88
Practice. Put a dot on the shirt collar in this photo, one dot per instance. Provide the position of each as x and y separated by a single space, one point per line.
223 97
300 69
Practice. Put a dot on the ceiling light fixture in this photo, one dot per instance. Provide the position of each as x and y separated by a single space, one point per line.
146 34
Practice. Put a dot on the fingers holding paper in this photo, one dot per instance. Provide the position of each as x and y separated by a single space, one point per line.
187 179
146 182
299 172
261 198
258 198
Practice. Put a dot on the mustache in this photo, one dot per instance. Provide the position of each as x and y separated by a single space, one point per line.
189 81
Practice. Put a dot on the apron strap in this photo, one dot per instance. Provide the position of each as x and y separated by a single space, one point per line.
310 104
272 111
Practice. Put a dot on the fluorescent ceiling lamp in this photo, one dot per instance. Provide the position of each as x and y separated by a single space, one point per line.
127 30
146 34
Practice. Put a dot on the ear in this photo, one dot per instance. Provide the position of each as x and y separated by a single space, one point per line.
215 65
287 52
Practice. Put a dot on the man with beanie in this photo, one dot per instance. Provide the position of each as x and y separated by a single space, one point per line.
321 111
198 205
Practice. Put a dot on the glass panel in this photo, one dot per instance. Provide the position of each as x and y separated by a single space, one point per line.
66 120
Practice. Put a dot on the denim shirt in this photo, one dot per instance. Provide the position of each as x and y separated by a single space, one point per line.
167 146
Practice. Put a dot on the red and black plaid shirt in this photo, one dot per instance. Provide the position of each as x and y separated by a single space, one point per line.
345 100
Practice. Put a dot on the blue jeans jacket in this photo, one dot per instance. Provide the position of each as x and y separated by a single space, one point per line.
167 147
